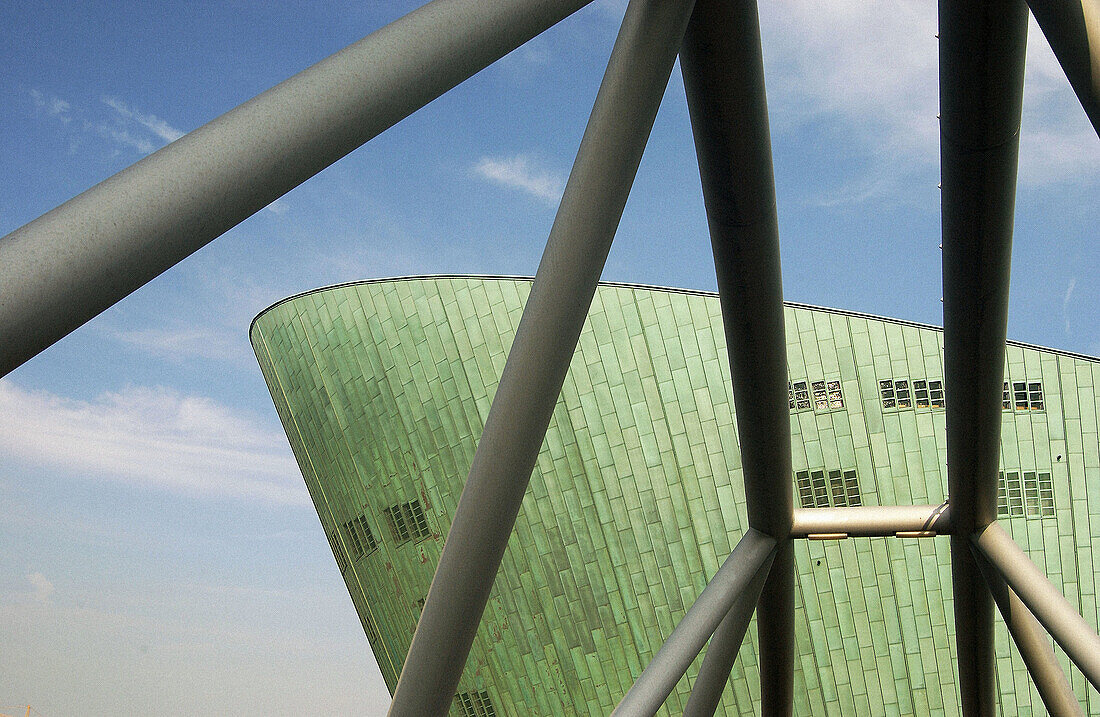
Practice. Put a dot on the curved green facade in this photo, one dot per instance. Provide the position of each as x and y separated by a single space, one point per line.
637 497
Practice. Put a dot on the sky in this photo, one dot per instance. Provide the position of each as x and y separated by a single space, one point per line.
159 553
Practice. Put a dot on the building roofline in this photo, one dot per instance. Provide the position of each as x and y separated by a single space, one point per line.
649 287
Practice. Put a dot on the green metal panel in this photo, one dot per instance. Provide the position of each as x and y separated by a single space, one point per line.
637 496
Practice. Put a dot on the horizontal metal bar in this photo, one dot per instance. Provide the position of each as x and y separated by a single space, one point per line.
871 520
753 555
1034 645
67 266
1076 636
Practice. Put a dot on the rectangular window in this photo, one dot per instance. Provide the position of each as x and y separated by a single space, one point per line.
920 394
1035 395
360 538
1019 392
1046 495
1002 496
821 492
851 485
1031 494
407 522
836 398
886 388
475 704
371 629
1006 399
901 389
790 394
935 389
836 487
1015 494
821 398
801 396
805 490
338 551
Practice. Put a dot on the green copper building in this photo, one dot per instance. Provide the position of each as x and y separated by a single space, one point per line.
383 388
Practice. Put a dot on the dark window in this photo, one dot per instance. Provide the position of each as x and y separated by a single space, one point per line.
821 491
338 551
801 396
851 485
1006 399
790 394
1019 392
407 522
836 397
359 536
901 389
920 394
1015 494
886 388
935 389
836 487
475 704
1035 395
805 490
1002 496
371 629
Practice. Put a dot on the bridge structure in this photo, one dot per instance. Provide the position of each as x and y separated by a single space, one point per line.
73 262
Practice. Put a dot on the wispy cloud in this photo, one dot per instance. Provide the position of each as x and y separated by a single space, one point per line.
184 343
1065 301
154 437
519 172
52 106
154 124
41 587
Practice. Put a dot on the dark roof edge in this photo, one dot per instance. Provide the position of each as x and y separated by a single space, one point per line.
648 287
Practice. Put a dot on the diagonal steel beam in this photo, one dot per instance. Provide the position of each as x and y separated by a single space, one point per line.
724 78
741 576
1072 27
1034 645
1075 636
981 87
607 160
70 264
722 651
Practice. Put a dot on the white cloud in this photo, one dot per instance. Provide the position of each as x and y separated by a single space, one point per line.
179 344
52 106
154 124
154 437
1065 301
517 172
42 588
123 137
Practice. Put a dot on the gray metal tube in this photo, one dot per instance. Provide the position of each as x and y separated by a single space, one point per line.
1034 645
1072 27
981 86
576 250
724 78
714 673
872 520
1076 636
747 565
67 266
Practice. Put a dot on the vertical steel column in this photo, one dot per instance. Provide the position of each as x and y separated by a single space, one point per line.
981 86
725 643
1034 646
724 77
1071 631
740 578
1072 27
576 250
67 266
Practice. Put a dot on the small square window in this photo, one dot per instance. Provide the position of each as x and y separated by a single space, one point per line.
1015 494
886 389
821 491
1002 496
1046 495
801 396
920 394
805 490
851 486
935 390
901 389
821 398
1019 392
836 487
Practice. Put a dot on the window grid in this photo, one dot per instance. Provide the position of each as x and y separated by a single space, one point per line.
935 389
1002 496
805 490
837 487
372 629
1015 494
1046 495
821 397
851 483
1035 395
901 391
475 704
821 492
407 522
1019 392
360 538
1031 495
801 396
886 388
920 394
1006 399
836 396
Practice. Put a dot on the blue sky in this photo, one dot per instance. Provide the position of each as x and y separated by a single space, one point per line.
158 551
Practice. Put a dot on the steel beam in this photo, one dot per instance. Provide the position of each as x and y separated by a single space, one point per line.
576 250
1072 27
67 266
981 80
722 651
1075 636
741 576
872 520
1034 645
724 79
